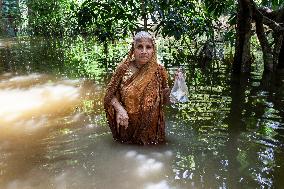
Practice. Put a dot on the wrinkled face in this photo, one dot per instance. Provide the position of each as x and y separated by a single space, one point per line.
143 50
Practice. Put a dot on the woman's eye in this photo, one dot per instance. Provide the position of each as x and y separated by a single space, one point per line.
148 47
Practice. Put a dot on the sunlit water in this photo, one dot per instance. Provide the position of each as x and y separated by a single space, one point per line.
53 134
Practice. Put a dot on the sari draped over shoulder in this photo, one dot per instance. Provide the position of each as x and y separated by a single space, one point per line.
141 94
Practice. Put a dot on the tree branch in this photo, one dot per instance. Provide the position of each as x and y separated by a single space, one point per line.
276 27
276 15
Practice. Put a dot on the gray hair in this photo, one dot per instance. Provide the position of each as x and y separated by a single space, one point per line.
143 34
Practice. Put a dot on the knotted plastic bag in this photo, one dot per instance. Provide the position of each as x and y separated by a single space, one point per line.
179 92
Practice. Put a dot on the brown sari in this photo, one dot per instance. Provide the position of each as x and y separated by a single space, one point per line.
142 95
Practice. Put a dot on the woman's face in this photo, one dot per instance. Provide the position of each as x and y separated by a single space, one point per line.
143 50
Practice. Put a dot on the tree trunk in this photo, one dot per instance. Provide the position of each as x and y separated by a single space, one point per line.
272 19
280 66
3 20
106 51
144 14
1 17
278 39
242 57
266 49
1 3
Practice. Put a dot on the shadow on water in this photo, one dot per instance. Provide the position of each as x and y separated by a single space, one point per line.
53 131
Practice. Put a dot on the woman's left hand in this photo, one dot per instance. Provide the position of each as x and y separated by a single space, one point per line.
178 73
166 93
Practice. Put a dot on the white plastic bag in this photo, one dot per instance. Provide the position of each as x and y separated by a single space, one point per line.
179 92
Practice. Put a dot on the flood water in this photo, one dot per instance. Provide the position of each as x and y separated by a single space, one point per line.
54 135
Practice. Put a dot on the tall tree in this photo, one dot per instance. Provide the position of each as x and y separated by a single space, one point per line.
248 12
272 19
109 20
144 13
242 58
281 59
1 17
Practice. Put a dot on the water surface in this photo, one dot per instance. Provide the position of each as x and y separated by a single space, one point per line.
53 131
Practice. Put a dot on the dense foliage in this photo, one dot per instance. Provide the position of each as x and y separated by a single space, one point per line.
108 19
197 24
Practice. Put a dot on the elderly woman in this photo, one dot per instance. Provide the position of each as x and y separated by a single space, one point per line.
136 94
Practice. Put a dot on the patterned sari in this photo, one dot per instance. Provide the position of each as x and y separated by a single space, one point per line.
141 94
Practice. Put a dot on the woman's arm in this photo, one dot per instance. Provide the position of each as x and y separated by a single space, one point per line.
165 86
110 98
121 113
113 86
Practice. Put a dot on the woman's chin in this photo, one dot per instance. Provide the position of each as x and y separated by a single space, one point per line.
143 62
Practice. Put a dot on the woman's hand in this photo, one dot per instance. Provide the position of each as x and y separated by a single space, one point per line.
121 117
178 73
166 93
121 114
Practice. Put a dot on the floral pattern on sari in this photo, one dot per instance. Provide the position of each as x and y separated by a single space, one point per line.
141 94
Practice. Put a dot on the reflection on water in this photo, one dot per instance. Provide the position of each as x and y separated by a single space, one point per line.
46 133
53 133
29 102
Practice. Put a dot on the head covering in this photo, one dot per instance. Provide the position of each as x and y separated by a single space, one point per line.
137 36
143 76
143 34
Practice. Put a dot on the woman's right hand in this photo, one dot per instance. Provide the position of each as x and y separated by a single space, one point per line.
121 117
121 114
